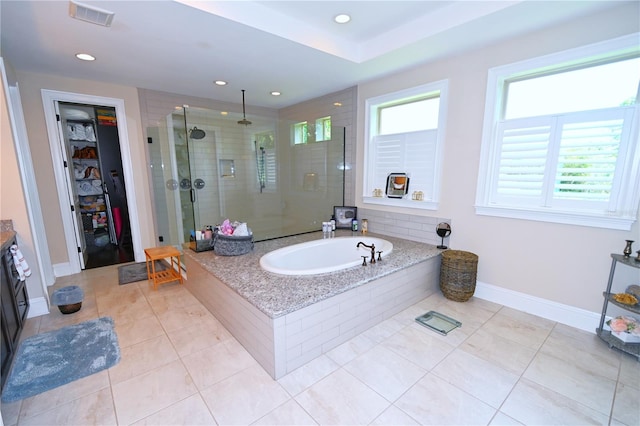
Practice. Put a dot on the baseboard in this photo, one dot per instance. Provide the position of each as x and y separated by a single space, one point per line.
564 314
38 306
62 269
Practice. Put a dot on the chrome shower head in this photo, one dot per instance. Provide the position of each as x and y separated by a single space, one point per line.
196 133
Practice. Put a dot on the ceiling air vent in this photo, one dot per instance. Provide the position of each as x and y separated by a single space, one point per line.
92 14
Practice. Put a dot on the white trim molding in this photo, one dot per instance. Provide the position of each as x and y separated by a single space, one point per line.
554 311
38 306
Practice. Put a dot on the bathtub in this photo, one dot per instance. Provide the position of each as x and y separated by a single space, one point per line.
322 256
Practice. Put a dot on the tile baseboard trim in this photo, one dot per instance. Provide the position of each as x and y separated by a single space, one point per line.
564 314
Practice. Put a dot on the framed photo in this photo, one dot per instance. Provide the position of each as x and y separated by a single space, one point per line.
397 185
344 215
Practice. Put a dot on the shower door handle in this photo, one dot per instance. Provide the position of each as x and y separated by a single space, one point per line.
192 192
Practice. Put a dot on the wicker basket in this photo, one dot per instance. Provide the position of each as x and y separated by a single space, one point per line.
228 245
458 272
70 309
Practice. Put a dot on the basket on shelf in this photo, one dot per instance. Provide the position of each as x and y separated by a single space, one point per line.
458 272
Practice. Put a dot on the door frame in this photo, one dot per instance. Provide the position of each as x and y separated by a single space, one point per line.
49 98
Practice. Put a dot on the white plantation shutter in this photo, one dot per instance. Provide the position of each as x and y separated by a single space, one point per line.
413 153
523 156
555 161
271 170
588 157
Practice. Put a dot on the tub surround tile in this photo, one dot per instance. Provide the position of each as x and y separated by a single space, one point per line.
284 321
277 295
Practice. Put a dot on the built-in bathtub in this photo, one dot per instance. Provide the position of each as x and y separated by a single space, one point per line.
325 255
285 321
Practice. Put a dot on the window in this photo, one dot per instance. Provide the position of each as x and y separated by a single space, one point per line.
303 132
560 138
323 129
405 133
300 133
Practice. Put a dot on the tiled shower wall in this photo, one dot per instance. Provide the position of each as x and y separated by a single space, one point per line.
340 106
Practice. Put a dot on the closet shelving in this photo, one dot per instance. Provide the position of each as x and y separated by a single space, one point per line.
88 179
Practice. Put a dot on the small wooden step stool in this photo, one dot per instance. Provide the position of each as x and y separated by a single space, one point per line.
167 275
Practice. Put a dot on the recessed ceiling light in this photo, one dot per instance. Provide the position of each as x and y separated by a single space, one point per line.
220 82
85 57
224 113
343 18
338 104
275 93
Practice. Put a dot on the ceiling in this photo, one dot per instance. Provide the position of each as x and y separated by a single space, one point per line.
293 47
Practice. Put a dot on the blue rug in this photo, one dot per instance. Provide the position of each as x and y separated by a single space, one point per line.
48 360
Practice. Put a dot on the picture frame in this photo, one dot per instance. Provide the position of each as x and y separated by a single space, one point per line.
344 215
397 185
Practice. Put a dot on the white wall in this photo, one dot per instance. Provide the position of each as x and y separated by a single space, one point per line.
13 205
559 263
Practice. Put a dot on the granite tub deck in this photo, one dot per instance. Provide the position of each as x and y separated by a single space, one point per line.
286 321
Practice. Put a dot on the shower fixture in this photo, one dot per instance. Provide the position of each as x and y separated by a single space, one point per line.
196 133
244 116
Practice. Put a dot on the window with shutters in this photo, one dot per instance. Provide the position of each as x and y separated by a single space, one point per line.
404 134
560 138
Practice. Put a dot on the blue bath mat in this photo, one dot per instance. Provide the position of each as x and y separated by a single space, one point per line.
48 360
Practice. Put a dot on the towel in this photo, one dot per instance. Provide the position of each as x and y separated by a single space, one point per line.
21 264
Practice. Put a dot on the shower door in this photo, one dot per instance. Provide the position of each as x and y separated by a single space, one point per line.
183 169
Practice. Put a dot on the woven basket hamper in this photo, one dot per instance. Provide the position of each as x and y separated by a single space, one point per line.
458 272
229 245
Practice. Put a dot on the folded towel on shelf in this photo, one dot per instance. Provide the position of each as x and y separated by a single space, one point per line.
20 263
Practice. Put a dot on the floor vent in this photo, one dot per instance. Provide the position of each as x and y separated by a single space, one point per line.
91 14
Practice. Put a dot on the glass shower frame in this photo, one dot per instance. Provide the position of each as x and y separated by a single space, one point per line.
254 174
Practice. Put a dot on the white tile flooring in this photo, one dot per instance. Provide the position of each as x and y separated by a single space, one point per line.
180 366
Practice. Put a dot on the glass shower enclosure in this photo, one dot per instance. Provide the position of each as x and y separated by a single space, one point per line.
206 167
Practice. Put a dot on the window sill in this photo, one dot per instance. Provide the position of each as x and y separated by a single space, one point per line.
568 218
401 202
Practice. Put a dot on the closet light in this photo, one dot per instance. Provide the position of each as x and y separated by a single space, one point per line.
85 57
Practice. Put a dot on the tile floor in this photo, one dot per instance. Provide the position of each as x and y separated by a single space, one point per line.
180 366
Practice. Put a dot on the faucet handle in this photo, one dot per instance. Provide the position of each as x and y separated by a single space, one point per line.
379 255
364 260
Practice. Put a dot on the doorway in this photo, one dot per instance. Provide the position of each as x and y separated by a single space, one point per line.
88 138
